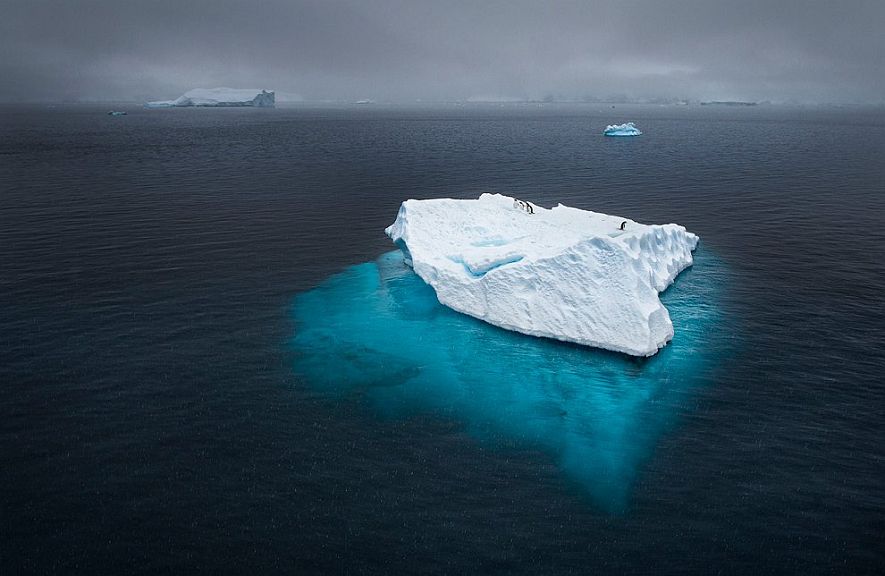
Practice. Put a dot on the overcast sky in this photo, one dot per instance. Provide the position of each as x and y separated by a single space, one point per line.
403 50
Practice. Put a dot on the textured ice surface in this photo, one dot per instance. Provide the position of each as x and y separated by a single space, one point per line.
377 331
562 273
219 97
627 129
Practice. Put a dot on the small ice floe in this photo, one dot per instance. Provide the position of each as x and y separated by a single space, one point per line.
628 129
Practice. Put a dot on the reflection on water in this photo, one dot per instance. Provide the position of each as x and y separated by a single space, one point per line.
378 328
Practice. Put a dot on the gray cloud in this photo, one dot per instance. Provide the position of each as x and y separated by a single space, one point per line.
403 50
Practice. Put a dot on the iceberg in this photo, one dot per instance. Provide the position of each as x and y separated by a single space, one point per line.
628 129
562 273
219 97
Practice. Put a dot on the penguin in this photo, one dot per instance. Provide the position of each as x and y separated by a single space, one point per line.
624 225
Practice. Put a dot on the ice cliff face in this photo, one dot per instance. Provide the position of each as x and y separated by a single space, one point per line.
219 97
628 129
561 273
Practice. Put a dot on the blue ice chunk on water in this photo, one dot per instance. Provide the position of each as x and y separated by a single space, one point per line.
628 129
379 329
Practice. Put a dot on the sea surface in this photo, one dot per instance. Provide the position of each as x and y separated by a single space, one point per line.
212 362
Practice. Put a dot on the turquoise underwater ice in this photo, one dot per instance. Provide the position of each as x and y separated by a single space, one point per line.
378 329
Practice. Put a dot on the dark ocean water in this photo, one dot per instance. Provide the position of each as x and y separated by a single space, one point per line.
156 414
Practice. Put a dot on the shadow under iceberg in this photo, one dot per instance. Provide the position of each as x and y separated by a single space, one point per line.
378 328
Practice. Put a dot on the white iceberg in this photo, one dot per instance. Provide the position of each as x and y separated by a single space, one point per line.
561 273
219 97
628 129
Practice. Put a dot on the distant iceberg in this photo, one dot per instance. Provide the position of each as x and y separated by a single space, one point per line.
219 97
628 129
728 103
561 273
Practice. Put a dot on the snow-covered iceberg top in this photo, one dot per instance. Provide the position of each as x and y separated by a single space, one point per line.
220 97
628 129
560 273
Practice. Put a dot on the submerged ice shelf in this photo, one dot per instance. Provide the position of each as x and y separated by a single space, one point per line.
561 273
376 331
